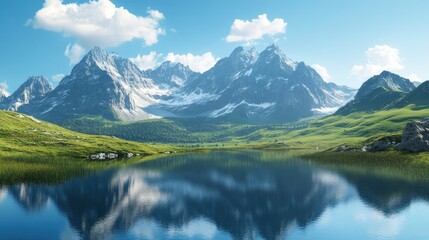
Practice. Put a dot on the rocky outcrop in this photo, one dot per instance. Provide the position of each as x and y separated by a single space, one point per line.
382 144
346 148
415 137
104 156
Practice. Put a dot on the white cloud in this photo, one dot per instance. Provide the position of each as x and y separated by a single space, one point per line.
58 77
197 63
379 58
413 77
97 23
75 53
149 61
322 71
3 85
255 29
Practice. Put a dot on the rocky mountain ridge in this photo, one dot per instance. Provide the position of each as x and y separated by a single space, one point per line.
246 86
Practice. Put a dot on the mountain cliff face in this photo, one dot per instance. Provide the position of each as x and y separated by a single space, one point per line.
378 93
101 84
246 86
262 87
31 90
171 75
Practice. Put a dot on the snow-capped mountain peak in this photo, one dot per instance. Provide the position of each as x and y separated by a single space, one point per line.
243 58
274 62
266 86
103 84
34 88
171 75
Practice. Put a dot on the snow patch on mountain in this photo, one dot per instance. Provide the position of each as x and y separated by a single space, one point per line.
196 97
229 108
325 110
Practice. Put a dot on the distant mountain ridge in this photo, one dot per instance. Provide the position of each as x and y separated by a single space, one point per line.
171 75
31 90
262 87
377 93
419 97
246 86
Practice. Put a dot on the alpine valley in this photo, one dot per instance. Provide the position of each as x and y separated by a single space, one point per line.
246 87
247 99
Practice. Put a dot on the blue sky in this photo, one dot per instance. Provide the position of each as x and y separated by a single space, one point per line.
346 41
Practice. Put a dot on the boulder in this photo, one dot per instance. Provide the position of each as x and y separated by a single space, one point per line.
382 144
345 148
415 137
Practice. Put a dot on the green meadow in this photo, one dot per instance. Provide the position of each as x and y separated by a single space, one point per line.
33 150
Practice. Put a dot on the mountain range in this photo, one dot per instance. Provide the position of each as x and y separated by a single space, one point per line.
264 87
245 86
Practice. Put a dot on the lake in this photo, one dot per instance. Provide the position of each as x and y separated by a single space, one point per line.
220 195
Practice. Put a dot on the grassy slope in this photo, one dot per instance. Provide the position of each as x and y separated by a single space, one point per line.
22 135
323 133
356 127
40 151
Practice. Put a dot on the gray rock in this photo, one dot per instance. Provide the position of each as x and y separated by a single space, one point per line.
415 137
383 144
112 155
345 148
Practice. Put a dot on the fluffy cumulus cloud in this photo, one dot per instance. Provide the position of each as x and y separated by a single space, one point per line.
379 58
58 77
74 53
3 85
98 23
198 63
255 29
413 77
322 71
149 61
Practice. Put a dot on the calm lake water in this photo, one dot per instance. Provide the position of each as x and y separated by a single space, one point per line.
219 195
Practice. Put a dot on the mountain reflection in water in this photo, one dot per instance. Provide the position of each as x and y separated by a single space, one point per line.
238 195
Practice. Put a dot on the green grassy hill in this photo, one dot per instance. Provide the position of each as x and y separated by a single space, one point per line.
377 100
36 151
355 127
322 133
22 135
